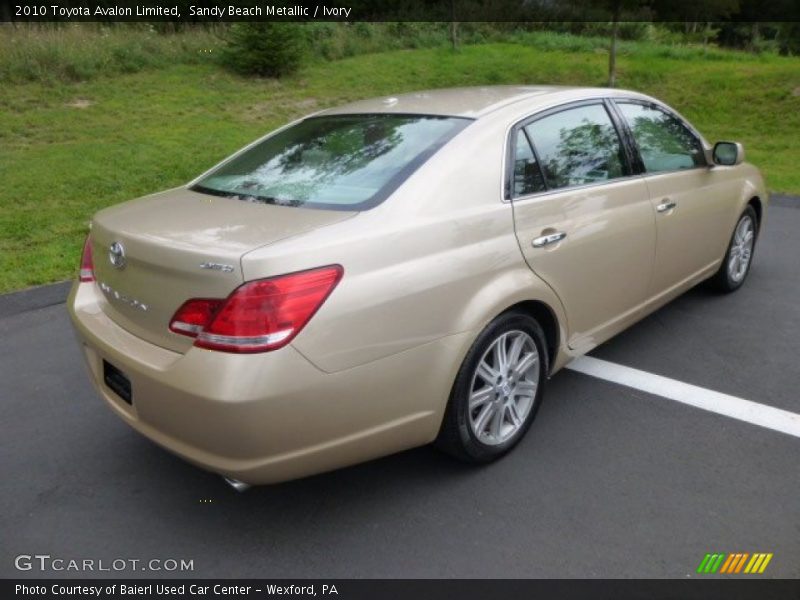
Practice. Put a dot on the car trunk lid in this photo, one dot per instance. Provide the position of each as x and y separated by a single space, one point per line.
180 244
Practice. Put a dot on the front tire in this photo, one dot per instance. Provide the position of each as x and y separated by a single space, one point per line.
736 265
497 391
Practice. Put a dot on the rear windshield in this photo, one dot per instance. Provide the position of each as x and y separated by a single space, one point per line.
344 162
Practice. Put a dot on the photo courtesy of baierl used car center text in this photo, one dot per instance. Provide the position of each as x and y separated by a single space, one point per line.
408 299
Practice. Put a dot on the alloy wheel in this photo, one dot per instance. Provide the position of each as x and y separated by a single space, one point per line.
504 387
741 249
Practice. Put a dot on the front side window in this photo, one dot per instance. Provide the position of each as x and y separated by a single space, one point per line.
664 142
578 146
345 162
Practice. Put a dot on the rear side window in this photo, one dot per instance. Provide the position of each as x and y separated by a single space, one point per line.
527 175
578 146
664 142
345 162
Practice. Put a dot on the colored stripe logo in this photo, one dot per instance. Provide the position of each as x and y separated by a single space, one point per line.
737 562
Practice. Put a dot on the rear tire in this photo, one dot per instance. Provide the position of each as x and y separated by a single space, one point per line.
497 391
735 266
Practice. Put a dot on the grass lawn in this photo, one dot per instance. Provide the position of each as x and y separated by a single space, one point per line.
69 149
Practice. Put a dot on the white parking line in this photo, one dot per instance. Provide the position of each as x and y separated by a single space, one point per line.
716 402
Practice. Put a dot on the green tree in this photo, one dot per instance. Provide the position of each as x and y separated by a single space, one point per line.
267 49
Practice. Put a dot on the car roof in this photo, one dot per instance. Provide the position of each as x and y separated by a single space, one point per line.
471 102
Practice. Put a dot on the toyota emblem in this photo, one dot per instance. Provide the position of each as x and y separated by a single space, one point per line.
116 255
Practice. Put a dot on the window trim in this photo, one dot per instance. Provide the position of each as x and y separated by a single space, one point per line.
671 113
637 166
513 162
508 184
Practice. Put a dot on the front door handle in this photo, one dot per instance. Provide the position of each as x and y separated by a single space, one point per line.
545 240
665 206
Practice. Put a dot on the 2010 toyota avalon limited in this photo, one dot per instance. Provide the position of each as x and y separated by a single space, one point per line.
400 271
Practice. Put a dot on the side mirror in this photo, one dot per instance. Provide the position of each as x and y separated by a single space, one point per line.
728 154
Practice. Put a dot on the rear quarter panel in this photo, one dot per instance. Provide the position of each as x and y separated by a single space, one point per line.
437 258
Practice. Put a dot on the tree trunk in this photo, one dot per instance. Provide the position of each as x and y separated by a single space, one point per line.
755 36
454 34
453 25
612 54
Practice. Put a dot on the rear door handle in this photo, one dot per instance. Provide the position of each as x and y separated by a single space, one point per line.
545 240
665 206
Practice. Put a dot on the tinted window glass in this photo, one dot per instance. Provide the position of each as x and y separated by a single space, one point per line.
577 146
527 176
343 161
665 144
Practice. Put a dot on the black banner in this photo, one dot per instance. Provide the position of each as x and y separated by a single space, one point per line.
374 589
397 10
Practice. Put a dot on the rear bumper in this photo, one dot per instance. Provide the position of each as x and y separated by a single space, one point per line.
265 418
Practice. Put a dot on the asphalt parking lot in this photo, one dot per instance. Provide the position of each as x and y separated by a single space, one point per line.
610 481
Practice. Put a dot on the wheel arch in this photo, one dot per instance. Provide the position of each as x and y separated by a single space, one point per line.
546 317
757 205
518 288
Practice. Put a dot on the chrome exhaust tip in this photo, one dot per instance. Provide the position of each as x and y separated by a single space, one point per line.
239 486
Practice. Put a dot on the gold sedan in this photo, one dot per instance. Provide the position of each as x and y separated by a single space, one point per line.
401 271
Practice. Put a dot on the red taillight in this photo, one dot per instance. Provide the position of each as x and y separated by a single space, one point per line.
260 315
87 265
193 315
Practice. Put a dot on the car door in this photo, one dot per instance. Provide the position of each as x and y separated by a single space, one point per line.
691 201
583 220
